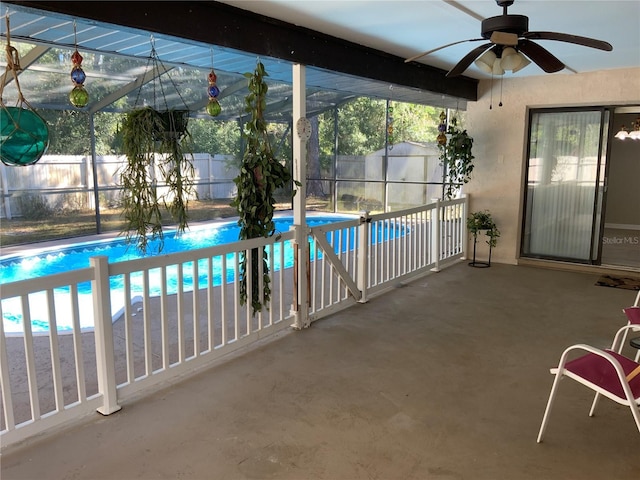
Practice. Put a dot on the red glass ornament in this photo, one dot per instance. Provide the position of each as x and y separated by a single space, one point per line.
76 58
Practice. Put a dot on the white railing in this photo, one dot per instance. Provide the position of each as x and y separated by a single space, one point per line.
181 312
352 260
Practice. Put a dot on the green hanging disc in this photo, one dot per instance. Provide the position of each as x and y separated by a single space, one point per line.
24 135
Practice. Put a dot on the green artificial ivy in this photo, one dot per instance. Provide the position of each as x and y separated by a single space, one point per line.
261 174
457 158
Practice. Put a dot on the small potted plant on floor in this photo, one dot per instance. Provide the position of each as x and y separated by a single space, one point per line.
482 221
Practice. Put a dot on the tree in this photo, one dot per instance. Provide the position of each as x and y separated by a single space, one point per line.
215 137
68 132
314 185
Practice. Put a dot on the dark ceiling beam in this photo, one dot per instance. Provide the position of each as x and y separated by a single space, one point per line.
216 23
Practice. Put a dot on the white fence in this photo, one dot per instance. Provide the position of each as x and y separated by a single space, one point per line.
67 181
49 380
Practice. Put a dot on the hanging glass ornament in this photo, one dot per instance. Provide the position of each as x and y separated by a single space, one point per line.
78 96
24 133
213 107
442 129
25 136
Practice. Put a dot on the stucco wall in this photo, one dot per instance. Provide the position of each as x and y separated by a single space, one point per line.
500 136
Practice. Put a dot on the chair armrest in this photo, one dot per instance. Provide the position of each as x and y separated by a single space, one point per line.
587 369
618 340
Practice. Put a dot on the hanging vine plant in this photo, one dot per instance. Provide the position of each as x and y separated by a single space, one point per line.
261 174
155 139
456 157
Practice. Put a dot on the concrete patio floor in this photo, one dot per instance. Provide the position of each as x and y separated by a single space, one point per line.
442 378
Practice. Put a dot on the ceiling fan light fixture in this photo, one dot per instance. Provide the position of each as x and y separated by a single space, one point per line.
633 133
497 68
622 134
510 59
524 61
486 61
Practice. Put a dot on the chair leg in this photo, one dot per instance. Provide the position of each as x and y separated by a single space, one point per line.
623 341
635 410
596 399
547 411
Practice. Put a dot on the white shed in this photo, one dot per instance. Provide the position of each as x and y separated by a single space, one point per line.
414 174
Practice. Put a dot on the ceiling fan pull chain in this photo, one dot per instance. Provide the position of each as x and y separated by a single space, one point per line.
491 90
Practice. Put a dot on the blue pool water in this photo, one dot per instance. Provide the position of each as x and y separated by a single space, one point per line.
50 261
47 262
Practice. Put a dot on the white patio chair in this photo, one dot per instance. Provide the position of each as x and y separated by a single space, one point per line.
605 371
633 317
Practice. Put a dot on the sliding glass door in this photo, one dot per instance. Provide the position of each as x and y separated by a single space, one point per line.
565 184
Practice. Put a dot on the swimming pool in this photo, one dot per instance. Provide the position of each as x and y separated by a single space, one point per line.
76 256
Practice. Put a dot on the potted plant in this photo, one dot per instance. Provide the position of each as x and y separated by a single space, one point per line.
456 157
155 139
173 124
261 174
482 221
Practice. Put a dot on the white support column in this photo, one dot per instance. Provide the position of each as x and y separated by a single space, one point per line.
5 191
465 230
105 357
363 255
435 235
301 306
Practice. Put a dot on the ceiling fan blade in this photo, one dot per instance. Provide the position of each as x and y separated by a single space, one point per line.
541 56
565 37
463 64
424 54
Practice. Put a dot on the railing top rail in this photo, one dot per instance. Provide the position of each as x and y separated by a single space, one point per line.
119 268
455 201
33 285
401 213
333 226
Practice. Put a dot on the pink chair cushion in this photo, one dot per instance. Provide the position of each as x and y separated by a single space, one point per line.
600 372
633 314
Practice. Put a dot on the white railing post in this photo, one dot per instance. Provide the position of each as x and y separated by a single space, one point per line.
435 235
363 255
210 175
300 307
465 231
105 357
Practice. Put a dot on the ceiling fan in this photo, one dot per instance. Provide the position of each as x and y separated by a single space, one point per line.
509 35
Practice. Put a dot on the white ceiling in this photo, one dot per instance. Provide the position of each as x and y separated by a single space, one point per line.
408 27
